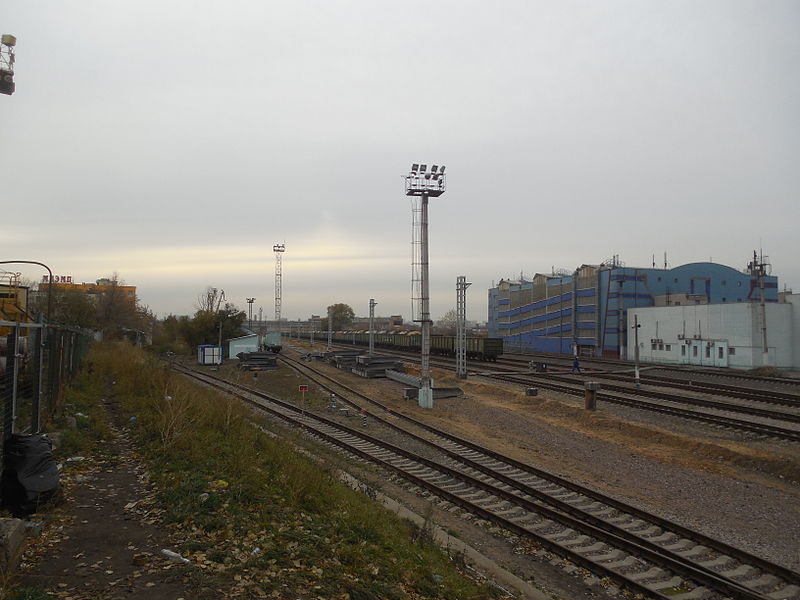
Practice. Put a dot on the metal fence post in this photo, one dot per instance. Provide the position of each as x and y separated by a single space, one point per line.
37 349
10 387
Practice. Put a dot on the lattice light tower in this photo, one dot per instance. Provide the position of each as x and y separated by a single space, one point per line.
278 249
422 185
7 58
461 326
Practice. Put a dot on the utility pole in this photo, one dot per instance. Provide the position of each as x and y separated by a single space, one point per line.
422 185
636 350
330 329
220 298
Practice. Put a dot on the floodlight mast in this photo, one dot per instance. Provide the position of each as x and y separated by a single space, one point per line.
278 249
7 58
424 185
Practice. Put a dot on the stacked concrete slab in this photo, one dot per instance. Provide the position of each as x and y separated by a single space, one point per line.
257 361
376 366
343 359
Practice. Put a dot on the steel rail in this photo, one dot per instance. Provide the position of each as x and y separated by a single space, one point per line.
749 410
740 555
659 556
750 426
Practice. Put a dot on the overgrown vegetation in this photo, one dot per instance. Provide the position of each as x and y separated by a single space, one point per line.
253 514
181 334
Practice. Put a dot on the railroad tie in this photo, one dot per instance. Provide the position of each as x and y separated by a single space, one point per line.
667 536
719 561
628 561
555 537
651 573
514 512
680 545
613 555
576 542
693 552
635 524
740 571
672 582
697 593
596 547
650 531
765 580
789 591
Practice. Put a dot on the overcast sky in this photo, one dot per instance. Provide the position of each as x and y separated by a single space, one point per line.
174 142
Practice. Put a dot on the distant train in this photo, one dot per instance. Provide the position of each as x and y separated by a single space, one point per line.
478 348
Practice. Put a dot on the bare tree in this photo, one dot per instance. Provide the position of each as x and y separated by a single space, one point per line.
446 325
209 300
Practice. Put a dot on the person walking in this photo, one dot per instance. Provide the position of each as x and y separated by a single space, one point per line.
576 365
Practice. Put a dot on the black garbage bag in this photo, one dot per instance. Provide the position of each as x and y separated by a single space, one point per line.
30 474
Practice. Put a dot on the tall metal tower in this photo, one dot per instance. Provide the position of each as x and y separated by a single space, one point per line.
7 58
278 249
421 185
760 268
461 326
372 305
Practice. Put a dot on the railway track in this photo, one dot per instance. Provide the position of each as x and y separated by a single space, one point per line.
764 396
644 553
622 397
677 372
790 416
564 384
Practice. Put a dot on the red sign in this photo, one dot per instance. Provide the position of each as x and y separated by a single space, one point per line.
303 388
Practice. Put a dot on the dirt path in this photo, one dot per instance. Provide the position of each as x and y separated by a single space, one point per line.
102 542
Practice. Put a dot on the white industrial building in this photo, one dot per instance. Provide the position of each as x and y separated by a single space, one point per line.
720 335
250 342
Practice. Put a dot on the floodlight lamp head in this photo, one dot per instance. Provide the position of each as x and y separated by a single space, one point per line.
423 168
434 168
279 248
441 170
414 168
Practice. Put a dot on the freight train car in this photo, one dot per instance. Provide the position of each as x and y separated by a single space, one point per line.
478 348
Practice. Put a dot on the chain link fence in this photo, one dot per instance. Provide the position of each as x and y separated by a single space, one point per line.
36 361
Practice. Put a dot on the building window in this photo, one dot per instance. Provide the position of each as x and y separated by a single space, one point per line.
738 284
724 299
652 346
731 351
694 351
676 280
683 350
708 351
723 282
721 352
668 348
661 346
658 278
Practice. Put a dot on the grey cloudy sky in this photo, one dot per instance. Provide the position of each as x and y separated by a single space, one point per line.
175 142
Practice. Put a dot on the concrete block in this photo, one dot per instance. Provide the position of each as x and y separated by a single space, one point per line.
12 537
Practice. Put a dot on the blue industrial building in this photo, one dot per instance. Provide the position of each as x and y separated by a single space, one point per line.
586 310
